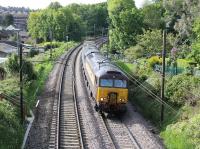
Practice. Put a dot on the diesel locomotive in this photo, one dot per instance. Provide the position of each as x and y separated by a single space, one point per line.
106 83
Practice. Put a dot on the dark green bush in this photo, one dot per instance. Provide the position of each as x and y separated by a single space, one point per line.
33 52
27 68
49 45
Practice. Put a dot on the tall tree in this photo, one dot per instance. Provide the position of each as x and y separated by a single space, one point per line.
125 23
8 20
54 5
153 16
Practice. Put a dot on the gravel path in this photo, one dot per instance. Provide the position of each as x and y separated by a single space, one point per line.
141 129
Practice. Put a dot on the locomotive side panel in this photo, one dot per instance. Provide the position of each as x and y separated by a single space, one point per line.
90 78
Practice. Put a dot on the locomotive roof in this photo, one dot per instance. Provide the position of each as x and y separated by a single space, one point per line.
100 64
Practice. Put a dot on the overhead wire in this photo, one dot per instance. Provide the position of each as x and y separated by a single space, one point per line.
148 91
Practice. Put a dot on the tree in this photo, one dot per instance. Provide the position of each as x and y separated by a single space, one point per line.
91 14
54 5
151 41
134 53
8 20
72 21
195 53
125 23
153 16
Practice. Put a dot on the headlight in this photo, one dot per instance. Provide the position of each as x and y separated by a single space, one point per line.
101 99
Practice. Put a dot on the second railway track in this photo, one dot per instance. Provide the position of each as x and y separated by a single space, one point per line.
65 127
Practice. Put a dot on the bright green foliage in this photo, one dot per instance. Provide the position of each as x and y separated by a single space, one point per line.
134 53
195 53
74 21
153 61
11 130
153 16
151 41
180 89
54 24
184 134
92 15
125 23
196 28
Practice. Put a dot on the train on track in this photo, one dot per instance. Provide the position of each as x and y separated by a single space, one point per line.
106 83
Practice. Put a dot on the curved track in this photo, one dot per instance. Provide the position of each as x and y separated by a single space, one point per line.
65 130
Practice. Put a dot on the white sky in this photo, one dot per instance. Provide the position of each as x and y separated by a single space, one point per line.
35 4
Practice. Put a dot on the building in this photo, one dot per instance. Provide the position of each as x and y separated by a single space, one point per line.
6 50
20 21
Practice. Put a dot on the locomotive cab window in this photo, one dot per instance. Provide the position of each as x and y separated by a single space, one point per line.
120 83
106 82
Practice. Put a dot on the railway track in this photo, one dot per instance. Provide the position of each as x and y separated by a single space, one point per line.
120 134
65 127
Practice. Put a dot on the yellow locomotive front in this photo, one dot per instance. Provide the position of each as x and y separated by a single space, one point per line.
112 94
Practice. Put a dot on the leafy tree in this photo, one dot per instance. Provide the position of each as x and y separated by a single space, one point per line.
134 53
153 16
180 14
195 53
91 15
72 21
8 20
54 5
125 23
151 41
14 68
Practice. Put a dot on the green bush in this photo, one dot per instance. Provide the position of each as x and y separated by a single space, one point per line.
54 44
179 89
13 64
27 68
11 131
153 61
33 52
183 135
134 53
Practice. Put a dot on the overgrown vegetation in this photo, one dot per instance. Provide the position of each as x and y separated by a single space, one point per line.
141 44
12 131
10 127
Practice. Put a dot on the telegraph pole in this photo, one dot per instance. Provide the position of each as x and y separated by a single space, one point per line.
163 76
21 83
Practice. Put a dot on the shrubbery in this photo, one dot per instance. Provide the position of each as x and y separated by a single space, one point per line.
134 53
33 52
183 135
27 68
179 89
153 61
54 44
